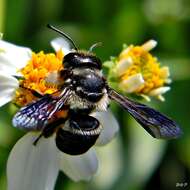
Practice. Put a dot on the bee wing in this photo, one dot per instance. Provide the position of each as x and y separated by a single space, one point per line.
35 116
155 123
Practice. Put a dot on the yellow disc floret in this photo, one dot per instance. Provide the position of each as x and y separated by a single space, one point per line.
36 76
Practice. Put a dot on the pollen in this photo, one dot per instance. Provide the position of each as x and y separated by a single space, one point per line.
36 76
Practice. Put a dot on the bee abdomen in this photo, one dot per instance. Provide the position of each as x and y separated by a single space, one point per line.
78 135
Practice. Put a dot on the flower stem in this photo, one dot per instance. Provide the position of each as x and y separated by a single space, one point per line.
2 13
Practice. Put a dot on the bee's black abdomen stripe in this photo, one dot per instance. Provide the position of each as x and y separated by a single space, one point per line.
80 135
74 144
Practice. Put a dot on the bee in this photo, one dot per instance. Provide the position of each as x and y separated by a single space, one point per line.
82 91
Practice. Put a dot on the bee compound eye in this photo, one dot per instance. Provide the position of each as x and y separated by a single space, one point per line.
81 136
65 73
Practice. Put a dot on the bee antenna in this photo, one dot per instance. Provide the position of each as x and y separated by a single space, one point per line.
63 34
94 46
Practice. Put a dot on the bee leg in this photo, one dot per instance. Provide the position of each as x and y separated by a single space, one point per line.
35 93
49 130
78 135
51 127
37 139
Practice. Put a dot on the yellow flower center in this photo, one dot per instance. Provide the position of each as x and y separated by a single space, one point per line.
35 75
148 66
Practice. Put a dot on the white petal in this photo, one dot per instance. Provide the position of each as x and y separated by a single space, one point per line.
13 57
63 44
145 154
8 85
161 98
159 91
147 98
125 51
132 83
110 127
110 168
123 65
165 72
4 100
33 167
149 45
80 167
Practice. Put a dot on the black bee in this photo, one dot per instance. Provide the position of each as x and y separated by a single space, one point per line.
83 91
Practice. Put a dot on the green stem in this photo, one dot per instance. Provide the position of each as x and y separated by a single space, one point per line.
2 13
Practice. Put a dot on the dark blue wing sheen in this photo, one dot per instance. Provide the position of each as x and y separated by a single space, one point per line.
35 116
155 123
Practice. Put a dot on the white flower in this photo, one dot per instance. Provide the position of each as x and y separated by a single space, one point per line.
36 167
12 58
137 71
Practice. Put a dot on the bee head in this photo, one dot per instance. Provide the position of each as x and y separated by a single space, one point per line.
81 60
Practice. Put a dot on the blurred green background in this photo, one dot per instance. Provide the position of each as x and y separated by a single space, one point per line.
133 160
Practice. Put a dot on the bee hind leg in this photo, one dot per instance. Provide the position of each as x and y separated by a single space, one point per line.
37 139
49 130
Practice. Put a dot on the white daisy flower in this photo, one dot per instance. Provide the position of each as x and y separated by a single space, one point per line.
36 167
137 71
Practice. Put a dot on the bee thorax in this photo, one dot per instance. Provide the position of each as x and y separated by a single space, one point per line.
77 102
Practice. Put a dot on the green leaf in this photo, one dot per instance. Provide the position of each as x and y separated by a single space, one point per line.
108 64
